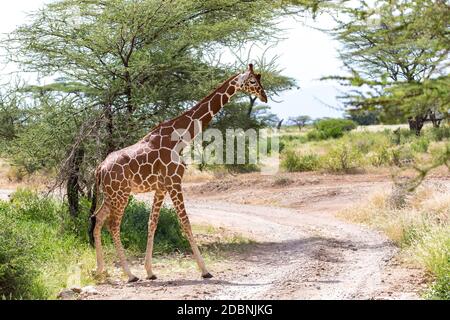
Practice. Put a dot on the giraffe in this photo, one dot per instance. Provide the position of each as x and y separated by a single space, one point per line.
149 165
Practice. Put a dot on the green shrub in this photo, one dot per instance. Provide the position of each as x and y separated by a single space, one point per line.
168 237
38 257
433 250
406 135
440 288
331 128
79 225
342 157
291 141
293 161
43 248
19 277
382 155
281 146
438 134
30 205
401 156
420 144
315 135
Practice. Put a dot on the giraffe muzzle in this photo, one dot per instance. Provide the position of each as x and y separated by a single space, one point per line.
263 97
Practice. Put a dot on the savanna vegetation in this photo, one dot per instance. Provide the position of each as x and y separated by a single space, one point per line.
44 249
414 216
341 150
418 223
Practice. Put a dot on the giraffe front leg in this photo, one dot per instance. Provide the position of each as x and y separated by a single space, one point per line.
176 195
115 234
152 225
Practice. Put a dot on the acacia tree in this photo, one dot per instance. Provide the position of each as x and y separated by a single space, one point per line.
300 121
396 53
125 65
274 81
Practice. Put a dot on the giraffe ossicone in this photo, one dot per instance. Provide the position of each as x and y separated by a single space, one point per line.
149 165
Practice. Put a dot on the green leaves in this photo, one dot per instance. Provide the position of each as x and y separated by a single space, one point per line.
397 56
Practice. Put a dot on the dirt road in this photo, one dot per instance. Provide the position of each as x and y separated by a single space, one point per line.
301 252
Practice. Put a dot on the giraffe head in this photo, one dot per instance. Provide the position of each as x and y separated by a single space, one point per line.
250 82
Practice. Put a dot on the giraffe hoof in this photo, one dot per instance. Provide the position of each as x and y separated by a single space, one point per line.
133 279
207 276
152 277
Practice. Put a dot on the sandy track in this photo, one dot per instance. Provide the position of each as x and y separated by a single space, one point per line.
302 254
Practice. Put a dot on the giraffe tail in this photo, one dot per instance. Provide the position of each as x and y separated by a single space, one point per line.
92 219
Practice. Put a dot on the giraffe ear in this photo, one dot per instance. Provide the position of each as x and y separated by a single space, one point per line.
250 67
258 76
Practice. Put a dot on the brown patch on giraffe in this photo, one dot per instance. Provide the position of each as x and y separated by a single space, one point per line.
216 101
137 179
172 167
106 179
230 91
146 170
203 109
124 184
123 159
224 99
152 156
141 158
166 131
134 165
155 141
115 184
181 123
165 156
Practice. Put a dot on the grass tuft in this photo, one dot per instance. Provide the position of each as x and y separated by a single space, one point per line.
420 226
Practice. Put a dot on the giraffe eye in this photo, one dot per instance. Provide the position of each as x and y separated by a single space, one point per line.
252 81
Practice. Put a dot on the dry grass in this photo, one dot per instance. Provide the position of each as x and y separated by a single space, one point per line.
12 177
382 127
419 223
193 175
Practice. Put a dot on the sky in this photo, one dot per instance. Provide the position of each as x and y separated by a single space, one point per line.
306 55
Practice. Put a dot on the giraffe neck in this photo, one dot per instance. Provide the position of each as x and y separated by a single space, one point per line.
208 107
203 111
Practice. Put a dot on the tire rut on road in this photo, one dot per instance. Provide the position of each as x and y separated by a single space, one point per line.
302 255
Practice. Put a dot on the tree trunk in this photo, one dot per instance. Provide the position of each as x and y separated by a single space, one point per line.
73 187
110 145
434 120
279 124
250 107
398 136
416 123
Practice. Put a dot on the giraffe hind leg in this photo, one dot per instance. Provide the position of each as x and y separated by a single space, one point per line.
97 221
